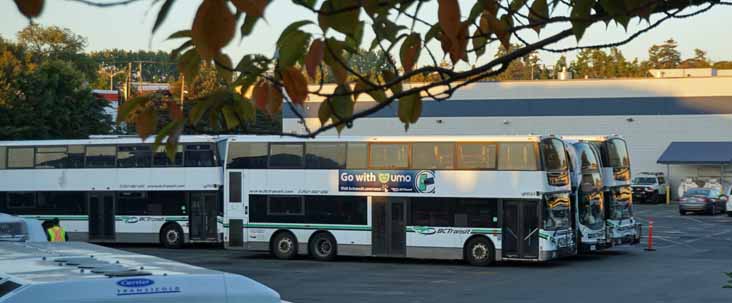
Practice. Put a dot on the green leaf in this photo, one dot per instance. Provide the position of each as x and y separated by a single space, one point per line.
354 41
291 28
198 110
410 108
305 3
230 118
516 5
293 47
479 42
433 33
190 64
580 15
342 106
186 45
180 34
539 12
324 112
344 21
224 67
387 29
389 76
245 109
162 14
475 11
377 94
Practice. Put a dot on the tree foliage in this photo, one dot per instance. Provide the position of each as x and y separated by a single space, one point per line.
45 100
399 28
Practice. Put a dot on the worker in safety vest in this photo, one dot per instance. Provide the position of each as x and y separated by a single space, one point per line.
56 233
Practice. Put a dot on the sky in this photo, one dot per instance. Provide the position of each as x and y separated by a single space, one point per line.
129 27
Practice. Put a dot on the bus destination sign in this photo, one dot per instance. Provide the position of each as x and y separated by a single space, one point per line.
404 181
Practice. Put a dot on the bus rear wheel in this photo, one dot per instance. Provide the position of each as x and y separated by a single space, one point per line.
323 247
480 252
171 236
284 245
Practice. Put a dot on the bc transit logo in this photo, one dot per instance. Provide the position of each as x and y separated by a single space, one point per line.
424 182
424 230
135 282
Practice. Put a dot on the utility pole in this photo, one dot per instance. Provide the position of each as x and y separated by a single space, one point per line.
182 89
129 79
139 74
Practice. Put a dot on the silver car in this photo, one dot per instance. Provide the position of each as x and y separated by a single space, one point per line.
707 200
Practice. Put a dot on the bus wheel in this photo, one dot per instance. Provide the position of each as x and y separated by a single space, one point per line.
171 236
323 246
284 245
480 251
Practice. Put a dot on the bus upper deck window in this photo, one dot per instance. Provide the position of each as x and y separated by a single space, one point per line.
389 155
3 156
20 157
199 155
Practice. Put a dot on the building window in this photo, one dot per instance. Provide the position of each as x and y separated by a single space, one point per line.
476 156
100 156
134 156
199 155
433 155
244 155
517 156
389 155
325 155
20 157
285 155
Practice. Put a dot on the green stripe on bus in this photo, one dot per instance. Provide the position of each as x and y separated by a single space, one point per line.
63 218
306 226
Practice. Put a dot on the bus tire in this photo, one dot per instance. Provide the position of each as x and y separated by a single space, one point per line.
283 245
323 246
479 251
171 236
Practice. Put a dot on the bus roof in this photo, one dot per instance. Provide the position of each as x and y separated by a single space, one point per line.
110 139
601 138
517 138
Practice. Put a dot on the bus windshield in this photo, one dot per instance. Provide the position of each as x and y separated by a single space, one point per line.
587 157
620 203
555 159
590 210
556 212
617 153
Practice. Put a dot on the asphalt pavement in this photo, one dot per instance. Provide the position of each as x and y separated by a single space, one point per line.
692 254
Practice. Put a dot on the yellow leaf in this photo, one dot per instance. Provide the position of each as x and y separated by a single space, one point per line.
146 122
259 95
295 85
213 28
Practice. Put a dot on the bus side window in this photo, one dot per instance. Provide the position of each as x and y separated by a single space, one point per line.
357 156
199 155
286 155
100 156
51 157
246 155
389 155
433 155
20 157
517 156
3 157
325 155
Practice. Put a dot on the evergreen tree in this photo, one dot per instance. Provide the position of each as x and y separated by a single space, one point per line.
664 56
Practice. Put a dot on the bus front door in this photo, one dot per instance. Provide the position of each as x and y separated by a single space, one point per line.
101 216
389 228
520 230
202 219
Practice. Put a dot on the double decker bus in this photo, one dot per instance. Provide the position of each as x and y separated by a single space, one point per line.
622 226
588 196
116 188
478 198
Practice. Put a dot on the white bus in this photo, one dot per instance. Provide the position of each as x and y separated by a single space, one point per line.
477 198
623 228
588 196
116 188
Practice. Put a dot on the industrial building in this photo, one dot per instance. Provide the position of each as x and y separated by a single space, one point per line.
650 113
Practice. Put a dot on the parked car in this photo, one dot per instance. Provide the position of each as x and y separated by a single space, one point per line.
706 200
649 188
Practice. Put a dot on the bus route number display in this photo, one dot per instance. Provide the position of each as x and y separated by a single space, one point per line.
402 181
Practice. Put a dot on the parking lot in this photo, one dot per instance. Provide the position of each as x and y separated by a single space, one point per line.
693 252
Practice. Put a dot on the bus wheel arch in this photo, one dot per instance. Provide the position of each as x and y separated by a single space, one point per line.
323 246
283 244
171 235
479 250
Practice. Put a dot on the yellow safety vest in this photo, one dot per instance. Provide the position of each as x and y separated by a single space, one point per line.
57 234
